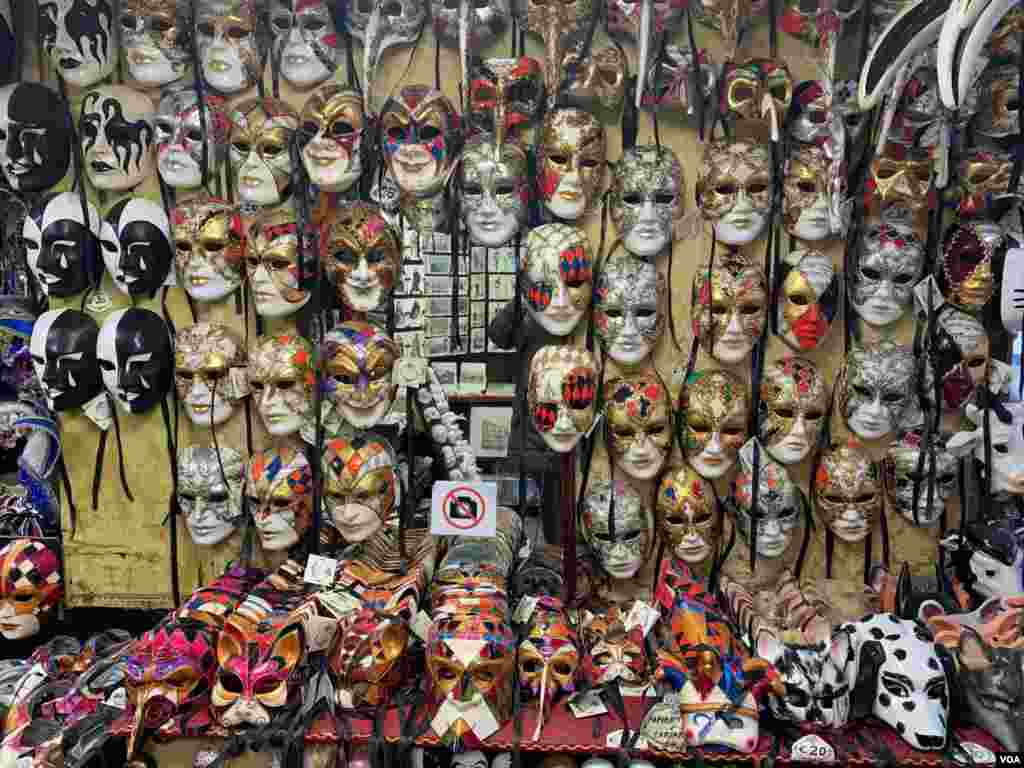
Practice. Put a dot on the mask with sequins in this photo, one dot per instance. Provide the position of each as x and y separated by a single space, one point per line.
209 372
261 133
495 190
421 138
572 162
358 361
209 243
629 317
361 254
31 586
155 40
688 516
639 424
556 276
272 264
179 136
333 124
716 405
78 38
305 41
210 491
730 308
876 388
780 504
282 378
360 484
227 44
279 487
972 255
890 260
734 190
561 395
646 200
903 467
848 491
810 301
794 401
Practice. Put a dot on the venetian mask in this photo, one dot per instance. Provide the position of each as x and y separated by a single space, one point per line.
486 22
155 36
729 304
794 402
360 484
179 136
209 372
902 179
810 301
930 479
504 95
272 264
614 652
617 525
647 199
876 388
984 179
118 136
210 491
136 240
889 262
227 46
758 89
333 123
549 655
780 503
961 356
561 393
998 115
261 132
135 358
716 407
572 162
669 85
555 24
848 491
35 143
367 656
600 79
556 276
972 254
628 312
812 121
358 363
734 190
807 197
279 485
361 254
495 190
305 41
78 38
282 378
688 516
62 245
208 248
31 586
63 350
639 431
421 139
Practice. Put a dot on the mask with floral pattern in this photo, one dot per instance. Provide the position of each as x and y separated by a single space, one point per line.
688 516
629 317
716 407
877 386
794 401
639 430
729 307
646 200
734 190
282 378
848 491
890 260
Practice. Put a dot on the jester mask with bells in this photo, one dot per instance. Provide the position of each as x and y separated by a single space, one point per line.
848 491
730 308
210 491
561 395
890 260
877 387
136 240
421 139
209 243
361 254
807 194
272 264
984 177
998 115
555 278
549 655
136 358
688 516
179 136
734 190
639 430
810 299
647 199
556 24
63 348
618 527
495 189
261 133
62 244
258 671
118 136
572 161
600 78
332 137
35 143
908 476
961 356
629 314
282 378
760 90
367 658
305 41
486 22
780 504
279 486
972 255
794 401
358 360
360 484
78 38
504 95
209 372
30 587
613 652
716 405
226 41
901 178
155 40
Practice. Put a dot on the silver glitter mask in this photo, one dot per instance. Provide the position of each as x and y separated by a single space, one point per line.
780 505
628 299
487 20
647 198
878 385
212 508
890 261
620 544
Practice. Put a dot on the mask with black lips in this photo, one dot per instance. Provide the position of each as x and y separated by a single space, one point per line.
118 135
63 348
136 242
35 140
62 249
76 35
136 359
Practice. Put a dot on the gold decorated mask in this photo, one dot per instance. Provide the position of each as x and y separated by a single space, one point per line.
153 39
281 377
806 194
209 371
616 523
794 400
360 484
421 138
687 513
999 111
758 89
848 491
226 42
261 132
716 407
573 162
969 261
600 80
810 301
734 189
556 277
901 181
332 123
639 423
984 177
729 308
360 253
279 489
272 264
358 362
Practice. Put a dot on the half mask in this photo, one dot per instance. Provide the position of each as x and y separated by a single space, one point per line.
136 240
759 90
155 39
909 476
629 315
78 38
572 162
282 378
486 22
209 244
35 142
734 190
877 386
118 136
305 41
63 350
901 178
973 253
600 78
639 419
227 44
549 655
984 177
31 586
669 83
272 264
961 356
209 372
730 307
556 276
358 362
261 134
848 491
612 651
333 124
504 95
810 301
361 254
561 395
279 487
807 196
61 246
179 136
618 527
495 190
647 199
890 260
421 139
780 503
794 403
688 517
135 358
210 491
360 485
716 408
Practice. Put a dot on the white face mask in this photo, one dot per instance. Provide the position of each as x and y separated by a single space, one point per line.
226 42
179 137
306 43
212 508
628 312
493 191
332 126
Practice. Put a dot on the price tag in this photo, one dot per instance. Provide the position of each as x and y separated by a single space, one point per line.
812 749
339 603
320 570
589 704
524 610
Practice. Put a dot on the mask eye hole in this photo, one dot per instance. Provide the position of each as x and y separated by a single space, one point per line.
742 93
892 398
750 309
664 198
785 412
237 33
807 187
231 682
242 147
726 189
559 159
341 128
392 9
817 116
531 666
865 498
633 198
429 133
834 498
871 274
976 362
757 187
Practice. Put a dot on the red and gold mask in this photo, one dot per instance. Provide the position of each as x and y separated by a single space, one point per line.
282 378
556 277
504 95
972 252
209 243
810 301
848 491
716 405
984 177
730 308
561 395
897 179
279 485
261 132
613 652
361 254
31 586
332 133
688 516
794 400
366 657
358 362
639 429
272 264
573 162
549 655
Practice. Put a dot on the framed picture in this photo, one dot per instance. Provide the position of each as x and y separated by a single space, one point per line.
489 430
447 376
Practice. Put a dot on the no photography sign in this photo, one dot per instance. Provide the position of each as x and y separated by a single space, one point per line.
464 509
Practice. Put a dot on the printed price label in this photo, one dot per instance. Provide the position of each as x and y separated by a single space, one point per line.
320 570
812 749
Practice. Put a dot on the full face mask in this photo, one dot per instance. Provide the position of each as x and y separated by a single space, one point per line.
208 248
556 276
961 356
360 485
35 143
810 300
730 309
639 431
600 78
998 115
993 687
647 199
226 41
901 179
561 393
118 135
613 652
807 197
504 95
155 38
78 38
361 254
495 190
333 123
629 315
282 378
734 190
305 41
272 264
279 486
717 406
688 516
61 246
572 162
358 361
136 240
63 350
972 255
876 388
179 136
210 491
759 90
421 139
135 358
30 587
209 372
780 504
811 120
261 132
486 22
848 491
903 468
794 401
890 260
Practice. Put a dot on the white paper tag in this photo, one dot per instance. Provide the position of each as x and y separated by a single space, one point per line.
525 609
118 699
812 749
921 294
614 740
663 727
409 372
98 411
485 725
320 631
339 603
421 626
979 754
344 698
320 570
589 704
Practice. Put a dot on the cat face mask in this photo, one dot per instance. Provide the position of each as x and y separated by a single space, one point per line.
561 395
209 372
717 407
63 348
421 138
136 242
226 42
889 262
272 264
135 358
734 190
179 136
620 532
282 379
361 254
903 468
810 301
730 308
495 190
78 38
647 199
629 315
155 36
279 484
572 160
332 131
639 429
877 386
62 244
261 131
208 247
358 362
848 491
360 485
794 401
687 513
305 41
556 276
118 136
211 501
35 143
780 505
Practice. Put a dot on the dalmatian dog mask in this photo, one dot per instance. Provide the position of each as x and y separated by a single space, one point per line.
136 242
35 144
118 136
78 38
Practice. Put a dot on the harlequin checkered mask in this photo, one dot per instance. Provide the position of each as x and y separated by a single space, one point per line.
118 136
688 515
572 162
227 44
79 41
561 395
367 657
179 136
495 189
716 405
136 240
629 314
209 372
155 36
333 124
210 491
30 586
890 260
961 357
305 41
617 525
549 655
647 198
358 363
877 386
729 308
421 138
505 95
279 485
282 378
972 255
780 505
794 402
639 430
555 277
361 255
848 491
810 301
734 189
360 484
209 244
261 132
612 651
903 468
272 264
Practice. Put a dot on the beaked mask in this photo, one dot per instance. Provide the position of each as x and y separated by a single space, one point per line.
549 655
495 190
358 362
118 135
505 95
890 260
333 123
734 190
848 491
360 485
210 491
209 372
305 41
810 301
807 194
155 36
716 406
226 42
63 348
972 255
421 139
78 38
617 525
62 245
794 401
556 276
135 358
561 395
903 469
811 121
556 24
572 162
688 516
272 264
136 242
730 308
209 244
647 199
361 254
179 136
629 314
282 378
487 20
877 386
35 144
261 133
639 430
962 356
279 485
780 504
31 586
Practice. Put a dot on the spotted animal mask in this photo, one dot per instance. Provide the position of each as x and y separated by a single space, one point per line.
616 523
179 136
209 243
734 190
137 251
629 314
688 515
209 372
78 38
729 304
333 124
282 378
421 137
572 162
810 301
639 418
135 358
305 41
261 133
561 395
279 485
31 586
647 199
890 260
360 484
931 480
155 37
35 143
848 491
227 44
495 190
716 405
210 491
794 402
62 244
556 277
361 254
780 504
118 136
876 388
358 363
272 264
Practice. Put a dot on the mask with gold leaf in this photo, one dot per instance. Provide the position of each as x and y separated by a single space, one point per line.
639 430
209 243
549 655
901 178
360 484
729 304
984 178
154 36
973 253
572 162
810 301
794 401
210 364
716 407
495 189
367 657
261 134
332 125
998 115
421 138
848 491
279 487
361 254
555 277
31 586
647 198
282 378
688 515
600 77
358 362
272 264
612 651
759 90
617 525
807 196
561 395
734 189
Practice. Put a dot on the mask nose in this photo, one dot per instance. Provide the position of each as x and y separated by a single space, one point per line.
563 422
647 213
799 427
561 297
875 407
851 515
261 277
714 446
743 202
51 372
734 328
361 274
885 289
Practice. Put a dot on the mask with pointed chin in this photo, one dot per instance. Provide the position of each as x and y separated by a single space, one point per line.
421 136
556 277
179 136
549 656
487 20
332 124
136 359
358 362
136 242
63 348
807 196
118 136
35 144
78 38
62 244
